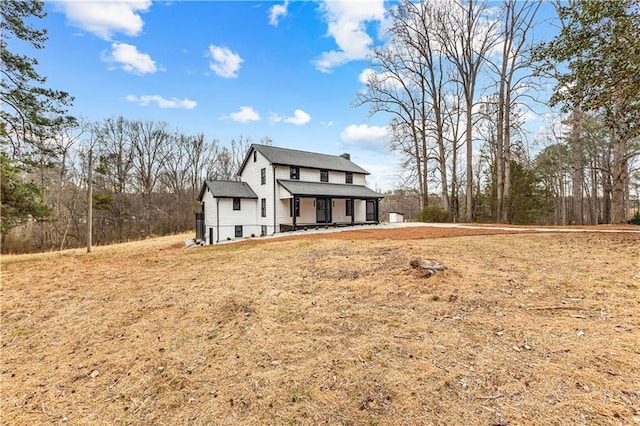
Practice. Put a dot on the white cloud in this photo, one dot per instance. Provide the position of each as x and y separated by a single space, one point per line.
371 138
275 118
224 62
299 118
276 11
346 21
162 102
245 115
105 18
130 59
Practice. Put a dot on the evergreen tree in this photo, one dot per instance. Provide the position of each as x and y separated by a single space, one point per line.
595 60
30 112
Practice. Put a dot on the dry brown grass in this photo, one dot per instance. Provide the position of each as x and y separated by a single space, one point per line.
333 329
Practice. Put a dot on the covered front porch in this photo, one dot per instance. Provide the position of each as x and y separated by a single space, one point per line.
315 205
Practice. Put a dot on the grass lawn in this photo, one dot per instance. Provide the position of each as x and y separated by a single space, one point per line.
339 329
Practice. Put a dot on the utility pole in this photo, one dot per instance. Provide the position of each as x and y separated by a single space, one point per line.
90 201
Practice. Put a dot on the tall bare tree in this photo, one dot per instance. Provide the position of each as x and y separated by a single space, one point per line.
396 86
513 71
149 140
467 38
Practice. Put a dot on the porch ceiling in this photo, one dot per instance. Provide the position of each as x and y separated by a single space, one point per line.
323 189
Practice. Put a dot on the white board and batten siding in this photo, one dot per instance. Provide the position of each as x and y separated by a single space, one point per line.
252 173
245 217
223 227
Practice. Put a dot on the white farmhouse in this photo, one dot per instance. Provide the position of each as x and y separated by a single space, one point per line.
284 190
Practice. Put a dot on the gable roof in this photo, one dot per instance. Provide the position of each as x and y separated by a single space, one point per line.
227 189
337 190
312 160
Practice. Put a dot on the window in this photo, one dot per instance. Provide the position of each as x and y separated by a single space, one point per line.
297 202
263 207
324 175
348 208
255 156
238 231
263 176
236 203
263 230
348 177
294 173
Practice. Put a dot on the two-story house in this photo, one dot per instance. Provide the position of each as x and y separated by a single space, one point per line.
284 190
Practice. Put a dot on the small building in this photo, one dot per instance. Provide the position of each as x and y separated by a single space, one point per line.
395 217
283 190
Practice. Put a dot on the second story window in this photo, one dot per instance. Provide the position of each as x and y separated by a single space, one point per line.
255 156
294 173
263 176
324 175
349 177
236 203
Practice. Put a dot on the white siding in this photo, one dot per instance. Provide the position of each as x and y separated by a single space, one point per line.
251 174
360 210
228 218
245 217
272 192
209 217
359 179
339 211
282 205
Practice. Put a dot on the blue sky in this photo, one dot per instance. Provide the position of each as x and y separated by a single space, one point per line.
286 70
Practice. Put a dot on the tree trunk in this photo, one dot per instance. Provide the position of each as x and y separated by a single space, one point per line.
594 195
469 169
578 166
506 194
90 202
618 177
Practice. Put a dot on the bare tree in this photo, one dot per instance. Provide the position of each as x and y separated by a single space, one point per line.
149 141
513 73
396 86
467 37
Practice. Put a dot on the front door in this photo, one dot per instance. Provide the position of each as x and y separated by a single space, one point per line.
323 210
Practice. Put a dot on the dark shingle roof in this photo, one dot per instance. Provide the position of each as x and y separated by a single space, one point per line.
313 160
296 187
228 189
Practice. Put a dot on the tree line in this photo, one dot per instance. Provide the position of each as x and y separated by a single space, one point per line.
458 79
145 181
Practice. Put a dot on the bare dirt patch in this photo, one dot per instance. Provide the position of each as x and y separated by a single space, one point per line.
326 329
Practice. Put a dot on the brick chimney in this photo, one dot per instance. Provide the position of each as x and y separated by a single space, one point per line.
346 155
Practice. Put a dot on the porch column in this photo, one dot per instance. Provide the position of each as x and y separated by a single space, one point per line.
294 200
353 211
377 210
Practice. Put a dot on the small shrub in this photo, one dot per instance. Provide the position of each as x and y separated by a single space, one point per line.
635 220
433 214
253 235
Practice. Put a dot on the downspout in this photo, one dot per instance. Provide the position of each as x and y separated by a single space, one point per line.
217 220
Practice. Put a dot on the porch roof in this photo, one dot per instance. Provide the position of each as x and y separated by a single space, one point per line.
323 189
